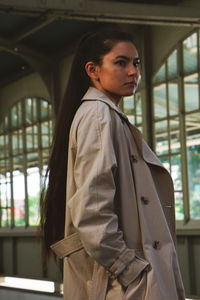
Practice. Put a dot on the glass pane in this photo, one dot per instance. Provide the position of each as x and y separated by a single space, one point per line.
32 159
6 127
176 172
17 142
128 105
34 104
31 138
44 109
191 89
190 53
179 205
4 146
138 104
5 200
33 182
19 198
174 135
50 130
131 119
19 113
4 166
193 156
161 74
14 117
45 134
161 133
172 65
35 136
18 162
28 111
5 190
173 98
160 101
6 217
165 162
45 156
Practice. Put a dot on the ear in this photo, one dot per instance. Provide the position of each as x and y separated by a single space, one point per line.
92 70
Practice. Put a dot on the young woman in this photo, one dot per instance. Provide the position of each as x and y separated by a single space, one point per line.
119 237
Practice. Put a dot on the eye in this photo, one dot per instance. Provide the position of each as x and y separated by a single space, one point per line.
136 63
121 63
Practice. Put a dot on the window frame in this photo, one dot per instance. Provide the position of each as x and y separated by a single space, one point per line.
37 122
187 225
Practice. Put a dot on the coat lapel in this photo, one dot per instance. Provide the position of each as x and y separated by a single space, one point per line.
94 94
147 154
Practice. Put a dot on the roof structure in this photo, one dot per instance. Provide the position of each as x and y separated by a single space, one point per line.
34 34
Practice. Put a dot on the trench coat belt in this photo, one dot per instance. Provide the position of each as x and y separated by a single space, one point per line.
100 276
67 246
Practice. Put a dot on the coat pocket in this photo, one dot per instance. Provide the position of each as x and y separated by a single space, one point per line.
99 283
87 273
137 289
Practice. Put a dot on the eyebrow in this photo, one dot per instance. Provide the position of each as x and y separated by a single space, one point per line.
126 57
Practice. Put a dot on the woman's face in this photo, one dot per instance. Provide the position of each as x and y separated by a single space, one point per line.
119 73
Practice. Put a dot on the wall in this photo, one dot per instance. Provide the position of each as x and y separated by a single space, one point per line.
163 41
29 86
6 294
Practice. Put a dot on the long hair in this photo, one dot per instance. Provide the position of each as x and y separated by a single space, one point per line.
92 47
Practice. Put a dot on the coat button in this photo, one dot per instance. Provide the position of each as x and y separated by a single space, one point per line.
111 275
134 158
156 245
145 200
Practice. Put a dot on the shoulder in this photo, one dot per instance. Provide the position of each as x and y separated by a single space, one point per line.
92 111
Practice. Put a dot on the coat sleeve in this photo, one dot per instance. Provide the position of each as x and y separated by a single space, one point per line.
92 205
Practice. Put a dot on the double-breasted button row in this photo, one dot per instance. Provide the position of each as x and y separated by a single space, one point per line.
156 245
144 200
134 158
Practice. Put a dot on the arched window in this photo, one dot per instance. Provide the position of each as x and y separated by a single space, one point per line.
25 137
132 107
177 123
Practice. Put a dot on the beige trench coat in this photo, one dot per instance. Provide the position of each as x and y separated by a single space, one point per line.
120 227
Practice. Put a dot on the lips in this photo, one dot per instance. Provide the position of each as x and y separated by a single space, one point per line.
131 83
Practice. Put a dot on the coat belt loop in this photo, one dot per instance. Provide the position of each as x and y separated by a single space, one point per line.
99 283
67 245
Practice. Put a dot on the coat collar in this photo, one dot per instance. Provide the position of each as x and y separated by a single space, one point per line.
94 94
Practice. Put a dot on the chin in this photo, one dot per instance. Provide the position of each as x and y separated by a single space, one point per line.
129 93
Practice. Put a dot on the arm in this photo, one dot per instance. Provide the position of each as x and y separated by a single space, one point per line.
91 206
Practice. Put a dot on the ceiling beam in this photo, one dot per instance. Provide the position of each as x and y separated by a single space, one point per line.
31 28
36 60
107 11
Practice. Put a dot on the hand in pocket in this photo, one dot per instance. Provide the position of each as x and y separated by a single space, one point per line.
137 289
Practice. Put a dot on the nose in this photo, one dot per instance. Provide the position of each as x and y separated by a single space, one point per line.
133 70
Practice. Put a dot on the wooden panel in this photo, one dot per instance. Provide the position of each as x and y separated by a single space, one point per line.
21 256
182 251
7 263
54 271
28 256
195 256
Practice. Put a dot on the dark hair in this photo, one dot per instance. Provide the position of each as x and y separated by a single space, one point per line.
92 47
